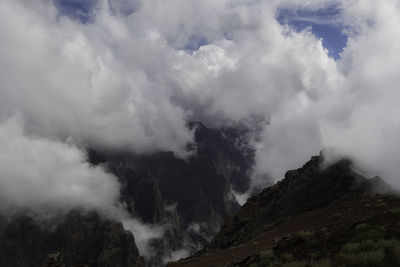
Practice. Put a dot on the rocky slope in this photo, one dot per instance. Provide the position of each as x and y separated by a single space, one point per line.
76 239
316 215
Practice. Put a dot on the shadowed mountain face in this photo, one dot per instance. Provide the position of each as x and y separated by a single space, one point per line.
309 188
75 240
192 197
332 198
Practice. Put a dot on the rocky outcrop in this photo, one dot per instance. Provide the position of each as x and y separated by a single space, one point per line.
76 239
312 216
308 188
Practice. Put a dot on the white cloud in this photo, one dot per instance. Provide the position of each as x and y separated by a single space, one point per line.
176 255
356 112
369 131
128 82
48 176
144 234
98 84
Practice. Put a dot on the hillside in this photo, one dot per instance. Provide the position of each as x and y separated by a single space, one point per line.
314 217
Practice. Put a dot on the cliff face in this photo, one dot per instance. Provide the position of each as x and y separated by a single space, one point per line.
76 239
191 197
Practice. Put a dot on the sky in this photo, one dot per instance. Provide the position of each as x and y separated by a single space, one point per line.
321 22
303 76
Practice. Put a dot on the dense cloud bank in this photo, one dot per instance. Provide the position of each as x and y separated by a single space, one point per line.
132 75
45 175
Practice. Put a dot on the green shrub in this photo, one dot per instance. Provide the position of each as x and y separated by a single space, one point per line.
387 244
313 243
367 245
361 226
286 257
392 247
368 258
396 251
305 235
295 264
395 211
322 263
267 254
351 248
371 234
313 255
266 262
325 233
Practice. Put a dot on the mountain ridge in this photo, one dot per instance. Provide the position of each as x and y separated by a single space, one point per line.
307 198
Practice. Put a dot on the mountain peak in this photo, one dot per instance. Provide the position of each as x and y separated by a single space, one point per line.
312 215
311 187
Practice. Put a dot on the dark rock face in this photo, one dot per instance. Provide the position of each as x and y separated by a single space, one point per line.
309 188
191 196
75 240
317 215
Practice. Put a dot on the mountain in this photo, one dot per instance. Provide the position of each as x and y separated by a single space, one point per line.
316 216
76 239
190 197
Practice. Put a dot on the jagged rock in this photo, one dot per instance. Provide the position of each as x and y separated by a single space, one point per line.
308 188
185 194
75 240
53 259
317 215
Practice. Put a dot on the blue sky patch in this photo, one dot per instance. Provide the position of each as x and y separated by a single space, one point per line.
194 43
324 24
80 10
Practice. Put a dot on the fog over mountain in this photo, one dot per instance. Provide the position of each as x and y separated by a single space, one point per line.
130 74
